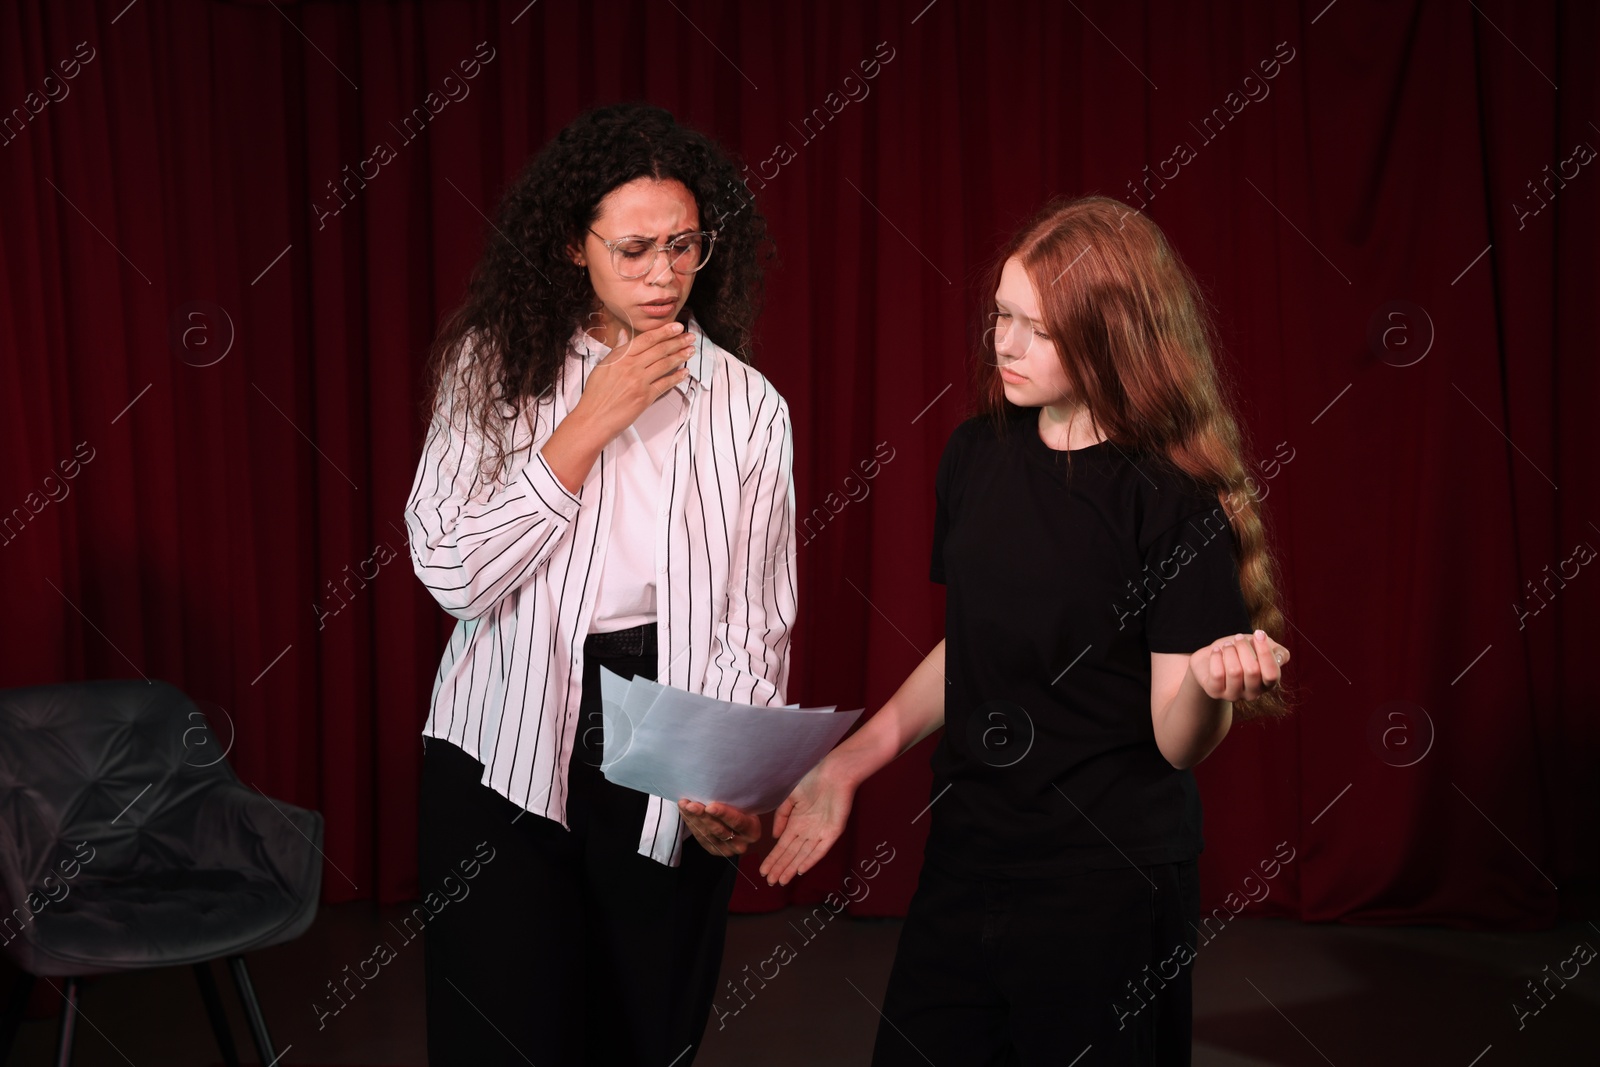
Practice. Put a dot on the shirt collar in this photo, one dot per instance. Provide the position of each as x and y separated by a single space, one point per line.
701 363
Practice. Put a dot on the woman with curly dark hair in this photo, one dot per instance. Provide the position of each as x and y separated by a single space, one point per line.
602 466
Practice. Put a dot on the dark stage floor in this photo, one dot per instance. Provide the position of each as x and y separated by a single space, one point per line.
1269 993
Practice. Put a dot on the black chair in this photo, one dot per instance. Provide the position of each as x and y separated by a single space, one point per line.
127 842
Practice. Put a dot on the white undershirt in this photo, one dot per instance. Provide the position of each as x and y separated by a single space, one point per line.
626 595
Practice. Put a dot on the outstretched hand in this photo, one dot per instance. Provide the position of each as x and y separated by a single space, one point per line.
807 824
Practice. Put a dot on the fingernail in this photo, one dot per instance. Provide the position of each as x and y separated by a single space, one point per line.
1261 634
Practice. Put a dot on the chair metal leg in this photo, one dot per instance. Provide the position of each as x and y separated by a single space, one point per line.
217 1014
252 1010
69 1018
16 1005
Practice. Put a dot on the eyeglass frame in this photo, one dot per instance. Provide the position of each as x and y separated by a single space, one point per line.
658 249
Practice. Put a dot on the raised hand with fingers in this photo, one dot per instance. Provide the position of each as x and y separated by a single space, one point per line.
1239 666
637 372
632 376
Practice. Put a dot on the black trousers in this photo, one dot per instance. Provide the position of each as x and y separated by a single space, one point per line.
567 947
1036 971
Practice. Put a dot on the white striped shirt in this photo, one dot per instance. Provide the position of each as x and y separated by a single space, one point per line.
518 560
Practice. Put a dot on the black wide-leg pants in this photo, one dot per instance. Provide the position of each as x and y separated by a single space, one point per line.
568 947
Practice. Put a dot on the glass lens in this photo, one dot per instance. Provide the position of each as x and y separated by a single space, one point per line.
632 256
687 252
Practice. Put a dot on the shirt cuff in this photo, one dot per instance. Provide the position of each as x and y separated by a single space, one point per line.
663 833
548 488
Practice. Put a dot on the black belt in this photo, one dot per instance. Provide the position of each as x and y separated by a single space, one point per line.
614 644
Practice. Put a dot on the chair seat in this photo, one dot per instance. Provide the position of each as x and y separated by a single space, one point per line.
160 919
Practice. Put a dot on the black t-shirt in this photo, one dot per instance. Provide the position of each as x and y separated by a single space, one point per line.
1065 570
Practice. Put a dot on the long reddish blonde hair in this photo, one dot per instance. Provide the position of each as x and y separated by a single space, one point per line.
1135 339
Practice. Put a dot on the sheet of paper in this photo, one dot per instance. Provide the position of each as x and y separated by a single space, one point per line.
676 744
613 690
621 705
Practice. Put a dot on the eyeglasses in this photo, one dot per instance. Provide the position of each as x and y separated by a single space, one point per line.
1014 332
634 257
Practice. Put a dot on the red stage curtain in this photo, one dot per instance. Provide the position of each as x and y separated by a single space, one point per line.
210 410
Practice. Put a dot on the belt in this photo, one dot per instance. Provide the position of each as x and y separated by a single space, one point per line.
635 641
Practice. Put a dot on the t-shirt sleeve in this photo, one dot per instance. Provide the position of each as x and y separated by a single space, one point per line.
1199 599
941 506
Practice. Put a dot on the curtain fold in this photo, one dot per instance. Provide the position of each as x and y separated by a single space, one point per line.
229 230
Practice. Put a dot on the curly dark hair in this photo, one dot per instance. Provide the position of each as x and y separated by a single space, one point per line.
525 297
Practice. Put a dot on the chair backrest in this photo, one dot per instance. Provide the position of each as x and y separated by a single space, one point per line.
108 769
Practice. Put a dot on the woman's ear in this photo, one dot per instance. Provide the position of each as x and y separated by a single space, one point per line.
575 254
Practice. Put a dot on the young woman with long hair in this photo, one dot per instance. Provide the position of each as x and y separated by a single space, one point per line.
602 479
1109 615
